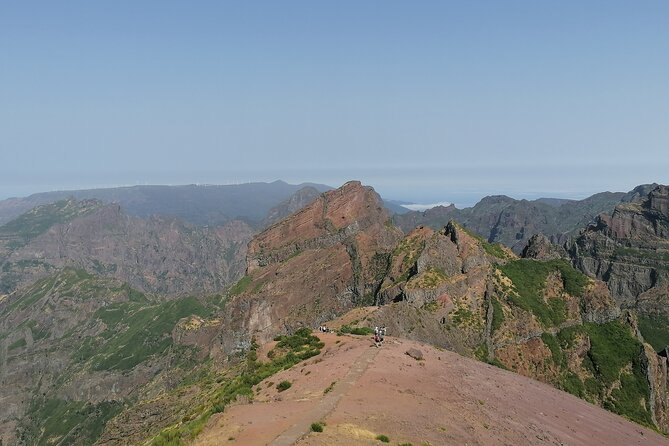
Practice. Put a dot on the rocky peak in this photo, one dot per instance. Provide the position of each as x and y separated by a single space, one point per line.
658 200
540 248
333 216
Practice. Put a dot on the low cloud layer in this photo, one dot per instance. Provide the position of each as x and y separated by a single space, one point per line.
423 207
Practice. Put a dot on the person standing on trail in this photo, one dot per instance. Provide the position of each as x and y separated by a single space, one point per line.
377 340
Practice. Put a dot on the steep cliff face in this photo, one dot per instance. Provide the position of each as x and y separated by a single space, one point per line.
312 266
156 255
629 250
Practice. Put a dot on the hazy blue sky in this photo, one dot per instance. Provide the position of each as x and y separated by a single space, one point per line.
424 100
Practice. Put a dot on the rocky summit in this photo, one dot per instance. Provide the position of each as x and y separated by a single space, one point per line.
116 330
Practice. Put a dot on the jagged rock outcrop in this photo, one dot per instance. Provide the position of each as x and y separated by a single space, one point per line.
157 255
437 279
539 247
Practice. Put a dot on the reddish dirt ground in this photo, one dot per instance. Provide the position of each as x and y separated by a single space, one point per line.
445 399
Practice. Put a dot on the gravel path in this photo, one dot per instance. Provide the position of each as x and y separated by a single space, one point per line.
329 402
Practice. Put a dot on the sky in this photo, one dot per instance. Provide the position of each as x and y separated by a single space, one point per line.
427 101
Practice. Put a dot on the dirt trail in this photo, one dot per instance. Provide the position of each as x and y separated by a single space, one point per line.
361 392
329 402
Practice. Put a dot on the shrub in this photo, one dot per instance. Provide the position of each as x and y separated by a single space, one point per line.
383 438
316 427
361 331
283 385
329 388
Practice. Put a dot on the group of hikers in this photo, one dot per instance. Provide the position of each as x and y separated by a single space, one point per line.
379 335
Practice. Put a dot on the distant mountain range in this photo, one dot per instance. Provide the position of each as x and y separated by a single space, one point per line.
196 204
502 219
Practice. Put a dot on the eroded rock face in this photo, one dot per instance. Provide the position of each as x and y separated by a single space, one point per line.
539 247
629 250
436 288
656 371
156 255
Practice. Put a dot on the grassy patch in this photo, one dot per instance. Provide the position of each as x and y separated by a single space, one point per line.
642 254
655 330
20 343
556 353
55 421
360 331
613 348
567 336
241 285
72 283
463 316
431 306
481 352
571 383
135 332
631 398
529 279
497 315
429 279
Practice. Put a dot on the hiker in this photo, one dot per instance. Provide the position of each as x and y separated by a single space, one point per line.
376 331
377 340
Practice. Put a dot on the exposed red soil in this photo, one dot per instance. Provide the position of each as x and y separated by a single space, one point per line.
446 399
